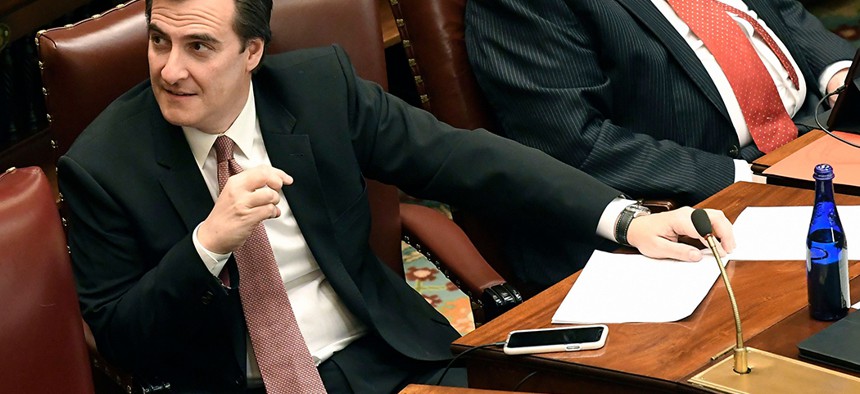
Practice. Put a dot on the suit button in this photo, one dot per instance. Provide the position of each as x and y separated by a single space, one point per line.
207 297
734 151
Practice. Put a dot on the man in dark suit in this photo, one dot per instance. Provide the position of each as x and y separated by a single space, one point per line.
163 220
626 91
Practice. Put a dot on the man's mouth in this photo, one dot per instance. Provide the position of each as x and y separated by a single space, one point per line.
178 93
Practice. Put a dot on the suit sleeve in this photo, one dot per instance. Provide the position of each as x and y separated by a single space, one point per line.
542 71
140 310
818 46
402 145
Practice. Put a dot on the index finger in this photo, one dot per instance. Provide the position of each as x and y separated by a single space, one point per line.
722 229
263 175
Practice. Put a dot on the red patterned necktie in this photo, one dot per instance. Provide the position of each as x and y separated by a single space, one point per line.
762 108
283 357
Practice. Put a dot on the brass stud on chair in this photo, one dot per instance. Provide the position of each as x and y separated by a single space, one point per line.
4 36
39 34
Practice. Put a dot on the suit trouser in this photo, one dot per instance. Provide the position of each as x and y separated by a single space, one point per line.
370 365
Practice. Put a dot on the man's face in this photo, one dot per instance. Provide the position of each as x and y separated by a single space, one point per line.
200 74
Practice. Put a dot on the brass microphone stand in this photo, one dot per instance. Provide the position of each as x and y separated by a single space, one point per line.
758 371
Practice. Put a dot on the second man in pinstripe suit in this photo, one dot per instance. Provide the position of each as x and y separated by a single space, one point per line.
624 90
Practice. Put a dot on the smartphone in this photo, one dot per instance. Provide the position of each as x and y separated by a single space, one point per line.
560 339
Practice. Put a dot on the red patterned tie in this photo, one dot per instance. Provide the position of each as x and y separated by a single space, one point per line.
283 357
765 116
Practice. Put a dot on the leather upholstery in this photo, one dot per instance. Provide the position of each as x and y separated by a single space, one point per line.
89 64
432 32
40 332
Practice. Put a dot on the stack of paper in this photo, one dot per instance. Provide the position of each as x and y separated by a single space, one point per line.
622 288
779 233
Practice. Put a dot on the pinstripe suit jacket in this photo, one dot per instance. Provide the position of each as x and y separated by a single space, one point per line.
610 87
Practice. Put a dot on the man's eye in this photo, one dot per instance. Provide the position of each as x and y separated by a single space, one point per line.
199 47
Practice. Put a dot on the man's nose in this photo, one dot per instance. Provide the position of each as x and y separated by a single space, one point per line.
174 69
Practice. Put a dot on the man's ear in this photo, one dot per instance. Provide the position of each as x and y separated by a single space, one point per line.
255 48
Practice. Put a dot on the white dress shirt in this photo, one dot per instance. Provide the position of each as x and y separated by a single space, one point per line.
792 98
325 323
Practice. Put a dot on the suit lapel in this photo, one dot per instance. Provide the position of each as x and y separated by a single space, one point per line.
292 153
181 178
653 20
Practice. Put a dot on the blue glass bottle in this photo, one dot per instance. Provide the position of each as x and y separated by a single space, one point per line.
826 253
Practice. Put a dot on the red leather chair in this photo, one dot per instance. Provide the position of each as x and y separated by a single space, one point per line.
87 65
41 335
432 33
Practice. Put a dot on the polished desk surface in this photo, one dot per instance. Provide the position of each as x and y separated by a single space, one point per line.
661 357
763 163
793 163
428 389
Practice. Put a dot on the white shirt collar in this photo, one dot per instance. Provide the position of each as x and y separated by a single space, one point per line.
242 132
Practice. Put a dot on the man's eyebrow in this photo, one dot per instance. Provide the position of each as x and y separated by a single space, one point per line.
154 28
194 37
203 37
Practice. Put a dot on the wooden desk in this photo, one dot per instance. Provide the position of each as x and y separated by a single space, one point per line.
428 389
661 357
792 164
390 34
763 163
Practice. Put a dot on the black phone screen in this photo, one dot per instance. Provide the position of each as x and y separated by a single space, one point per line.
555 336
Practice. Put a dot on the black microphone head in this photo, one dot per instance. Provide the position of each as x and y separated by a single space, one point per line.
702 222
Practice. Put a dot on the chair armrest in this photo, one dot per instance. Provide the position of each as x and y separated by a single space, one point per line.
447 246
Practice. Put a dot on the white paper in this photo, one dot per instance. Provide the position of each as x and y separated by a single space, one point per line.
779 233
624 288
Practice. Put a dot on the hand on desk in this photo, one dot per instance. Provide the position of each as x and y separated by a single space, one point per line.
657 235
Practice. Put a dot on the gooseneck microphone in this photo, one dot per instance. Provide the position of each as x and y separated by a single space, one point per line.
772 373
703 226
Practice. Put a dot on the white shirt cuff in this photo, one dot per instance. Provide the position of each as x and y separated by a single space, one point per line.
214 261
743 172
829 72
606 224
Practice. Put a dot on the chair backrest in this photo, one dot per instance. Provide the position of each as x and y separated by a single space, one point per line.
40 331
87 65
433 35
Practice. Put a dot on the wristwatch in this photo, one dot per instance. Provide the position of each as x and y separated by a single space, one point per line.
623 223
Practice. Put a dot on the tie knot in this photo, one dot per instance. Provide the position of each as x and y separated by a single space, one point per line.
224 148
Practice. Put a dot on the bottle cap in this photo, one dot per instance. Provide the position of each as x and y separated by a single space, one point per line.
823 172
